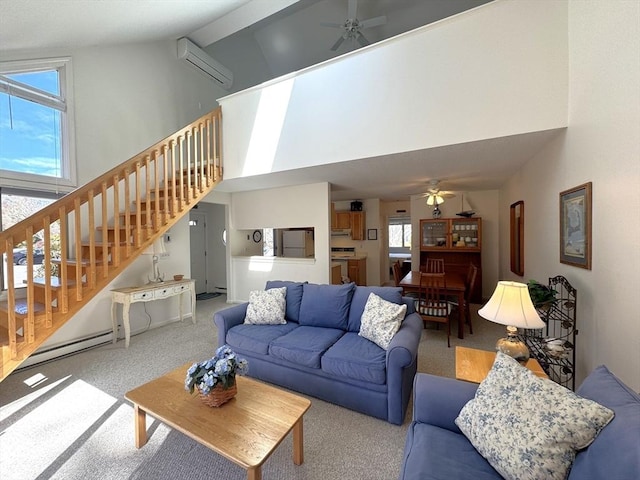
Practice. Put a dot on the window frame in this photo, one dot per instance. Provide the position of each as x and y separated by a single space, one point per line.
403 221
68 168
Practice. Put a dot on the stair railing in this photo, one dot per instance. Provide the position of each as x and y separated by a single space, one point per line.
153 189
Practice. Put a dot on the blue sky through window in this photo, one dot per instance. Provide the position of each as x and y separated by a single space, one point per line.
30 139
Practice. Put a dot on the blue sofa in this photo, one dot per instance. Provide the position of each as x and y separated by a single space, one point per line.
436 448
318 351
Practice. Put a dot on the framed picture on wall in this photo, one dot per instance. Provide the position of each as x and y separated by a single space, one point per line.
372 234
575 226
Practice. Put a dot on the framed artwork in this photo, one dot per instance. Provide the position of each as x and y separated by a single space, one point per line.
575 226
372 234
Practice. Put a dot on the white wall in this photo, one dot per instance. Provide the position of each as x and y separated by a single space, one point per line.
299 206
601 145
504 61
127 98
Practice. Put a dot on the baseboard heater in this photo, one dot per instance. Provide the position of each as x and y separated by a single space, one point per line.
54 353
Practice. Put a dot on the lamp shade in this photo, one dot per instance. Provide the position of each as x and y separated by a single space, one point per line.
156 248
511 305
434 199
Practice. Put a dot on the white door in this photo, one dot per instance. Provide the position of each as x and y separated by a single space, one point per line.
198 243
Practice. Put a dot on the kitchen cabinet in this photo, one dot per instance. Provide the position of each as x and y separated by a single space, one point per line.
336 274
457 241
357 271
343 220
357 225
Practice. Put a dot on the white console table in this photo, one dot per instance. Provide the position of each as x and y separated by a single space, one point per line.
148 293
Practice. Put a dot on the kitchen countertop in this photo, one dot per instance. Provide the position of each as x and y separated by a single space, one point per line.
359 256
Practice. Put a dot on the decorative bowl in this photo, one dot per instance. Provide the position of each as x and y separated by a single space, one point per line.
178 277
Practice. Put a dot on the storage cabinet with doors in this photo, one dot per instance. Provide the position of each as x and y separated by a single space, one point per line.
357 225
458 234
357 271
458 241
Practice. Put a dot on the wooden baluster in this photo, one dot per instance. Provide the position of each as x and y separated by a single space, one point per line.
78 239
105 229
91 274
165 176
115 254
174 209
138 201
201 155
127 211
63 273
156 189
147 195
11 300
48 300
29 323
181 171
191 169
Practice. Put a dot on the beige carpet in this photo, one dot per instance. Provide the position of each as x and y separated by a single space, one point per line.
67 419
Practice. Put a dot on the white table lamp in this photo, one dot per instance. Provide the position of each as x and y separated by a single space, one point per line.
511 305
156 248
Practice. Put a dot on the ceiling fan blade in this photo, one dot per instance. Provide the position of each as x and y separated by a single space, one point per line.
332 25
337 44
362 40
352 10
373 22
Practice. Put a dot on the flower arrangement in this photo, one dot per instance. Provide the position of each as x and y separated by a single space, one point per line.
219 370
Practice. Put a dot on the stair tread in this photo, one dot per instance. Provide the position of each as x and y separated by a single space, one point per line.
55 282
122 227
22 307
84 262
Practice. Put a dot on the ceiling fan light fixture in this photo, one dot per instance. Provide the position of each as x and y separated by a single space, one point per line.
434 199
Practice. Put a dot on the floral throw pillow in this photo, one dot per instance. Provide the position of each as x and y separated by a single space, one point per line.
381 320
529 427
266 307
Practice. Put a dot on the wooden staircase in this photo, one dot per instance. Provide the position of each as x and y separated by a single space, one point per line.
103 226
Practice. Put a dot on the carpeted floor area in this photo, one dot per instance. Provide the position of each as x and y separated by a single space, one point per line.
207 295
68 419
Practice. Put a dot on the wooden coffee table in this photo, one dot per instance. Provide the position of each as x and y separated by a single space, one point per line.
246 430
473 365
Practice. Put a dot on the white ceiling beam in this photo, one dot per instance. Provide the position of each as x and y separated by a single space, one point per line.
240 18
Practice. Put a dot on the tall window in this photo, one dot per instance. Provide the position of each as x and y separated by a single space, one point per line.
399 234
36 140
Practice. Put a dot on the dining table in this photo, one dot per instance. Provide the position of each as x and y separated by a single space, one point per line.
455 288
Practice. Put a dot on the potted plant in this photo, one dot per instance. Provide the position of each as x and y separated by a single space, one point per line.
542 296
215 378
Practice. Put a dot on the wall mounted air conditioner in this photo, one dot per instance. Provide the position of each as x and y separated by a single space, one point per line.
195 56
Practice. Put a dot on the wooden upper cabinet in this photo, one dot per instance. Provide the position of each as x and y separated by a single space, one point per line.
452 234
343 220
357 225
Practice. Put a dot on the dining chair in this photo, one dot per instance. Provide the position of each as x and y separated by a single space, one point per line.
432 301
397 276
433 265
469 285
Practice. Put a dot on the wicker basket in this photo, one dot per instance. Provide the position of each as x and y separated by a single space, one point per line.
218 395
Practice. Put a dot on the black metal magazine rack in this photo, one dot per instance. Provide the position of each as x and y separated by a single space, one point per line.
554 346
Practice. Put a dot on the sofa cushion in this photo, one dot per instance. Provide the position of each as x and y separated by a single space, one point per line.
304 345
381 320
266 307
359 300
615 453
436 453
326 305
256 338
355 357
529 427
293 297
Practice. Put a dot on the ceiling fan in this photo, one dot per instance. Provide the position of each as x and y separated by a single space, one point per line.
352 26
435 197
